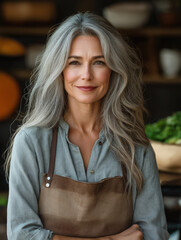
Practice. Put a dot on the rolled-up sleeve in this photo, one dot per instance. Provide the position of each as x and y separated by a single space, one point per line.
149 208
23 221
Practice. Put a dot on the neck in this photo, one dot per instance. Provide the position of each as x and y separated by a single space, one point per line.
83 117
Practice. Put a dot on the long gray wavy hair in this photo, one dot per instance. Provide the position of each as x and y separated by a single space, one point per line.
122 107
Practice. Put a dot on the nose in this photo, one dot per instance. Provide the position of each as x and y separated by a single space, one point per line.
86 72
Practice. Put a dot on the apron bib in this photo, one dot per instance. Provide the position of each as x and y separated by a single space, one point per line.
81 209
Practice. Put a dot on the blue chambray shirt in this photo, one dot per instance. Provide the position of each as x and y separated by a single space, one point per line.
30 160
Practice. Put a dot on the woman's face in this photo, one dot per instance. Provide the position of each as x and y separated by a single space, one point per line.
86 75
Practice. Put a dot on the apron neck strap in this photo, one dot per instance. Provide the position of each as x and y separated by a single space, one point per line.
52 156
124 172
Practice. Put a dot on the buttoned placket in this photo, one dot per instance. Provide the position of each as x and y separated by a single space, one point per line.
90 174
77 161
91 170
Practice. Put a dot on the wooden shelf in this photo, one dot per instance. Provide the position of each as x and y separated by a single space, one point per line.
27 31
155 78
152 32
44 30
170 178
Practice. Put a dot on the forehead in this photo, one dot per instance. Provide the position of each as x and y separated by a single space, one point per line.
85 43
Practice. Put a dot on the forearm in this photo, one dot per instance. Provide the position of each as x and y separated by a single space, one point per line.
130 233
58 237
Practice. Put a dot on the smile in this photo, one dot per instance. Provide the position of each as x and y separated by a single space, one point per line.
86 88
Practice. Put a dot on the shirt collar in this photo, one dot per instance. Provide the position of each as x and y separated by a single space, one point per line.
65 126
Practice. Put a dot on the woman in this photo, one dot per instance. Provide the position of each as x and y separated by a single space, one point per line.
81 165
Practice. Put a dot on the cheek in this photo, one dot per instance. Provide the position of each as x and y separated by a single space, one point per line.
104 76
68 76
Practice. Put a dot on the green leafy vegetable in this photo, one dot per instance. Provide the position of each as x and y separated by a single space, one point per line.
166 130
3 200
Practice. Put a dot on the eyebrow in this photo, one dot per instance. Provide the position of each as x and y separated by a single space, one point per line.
79 57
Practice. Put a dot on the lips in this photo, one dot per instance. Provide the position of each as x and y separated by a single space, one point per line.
86 88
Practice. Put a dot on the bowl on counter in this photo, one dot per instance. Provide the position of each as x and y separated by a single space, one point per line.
128 15
168 156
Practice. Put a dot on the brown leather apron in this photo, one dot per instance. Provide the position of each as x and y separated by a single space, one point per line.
81 209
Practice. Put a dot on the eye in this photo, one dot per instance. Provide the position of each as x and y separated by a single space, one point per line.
74 63
99 62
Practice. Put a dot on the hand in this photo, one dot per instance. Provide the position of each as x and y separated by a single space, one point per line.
132 233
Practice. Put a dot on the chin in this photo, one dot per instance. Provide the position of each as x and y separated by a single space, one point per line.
88 101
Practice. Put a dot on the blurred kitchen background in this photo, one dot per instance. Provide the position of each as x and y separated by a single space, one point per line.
153 27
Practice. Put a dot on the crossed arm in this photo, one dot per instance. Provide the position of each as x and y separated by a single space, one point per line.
131 233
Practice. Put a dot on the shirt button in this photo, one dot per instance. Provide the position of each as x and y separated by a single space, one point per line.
92 171
100 143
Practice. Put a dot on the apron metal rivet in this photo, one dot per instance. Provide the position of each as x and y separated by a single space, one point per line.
47 184
48 178
91 171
